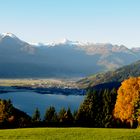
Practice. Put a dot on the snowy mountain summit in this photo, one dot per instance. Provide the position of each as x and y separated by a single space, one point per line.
8 35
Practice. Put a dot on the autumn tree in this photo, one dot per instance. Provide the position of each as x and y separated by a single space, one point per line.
6 111
127 107
11 117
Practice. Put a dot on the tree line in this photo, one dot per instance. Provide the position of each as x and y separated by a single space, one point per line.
95 111
100 108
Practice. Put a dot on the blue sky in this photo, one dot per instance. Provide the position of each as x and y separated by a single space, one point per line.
98 21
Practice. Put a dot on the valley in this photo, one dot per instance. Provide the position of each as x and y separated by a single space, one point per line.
28 94
42 86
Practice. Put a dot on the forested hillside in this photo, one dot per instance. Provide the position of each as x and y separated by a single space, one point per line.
111 78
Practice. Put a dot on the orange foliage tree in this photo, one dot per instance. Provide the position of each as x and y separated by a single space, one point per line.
127 107
6 110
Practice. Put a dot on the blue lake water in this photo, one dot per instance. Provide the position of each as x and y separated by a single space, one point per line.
28 101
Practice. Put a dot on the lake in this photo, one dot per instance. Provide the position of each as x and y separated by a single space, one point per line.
29 101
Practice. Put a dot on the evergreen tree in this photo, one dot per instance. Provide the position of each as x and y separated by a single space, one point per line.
97 108
87 110
108 100
36 116
68 117
75 115
51 116
61 115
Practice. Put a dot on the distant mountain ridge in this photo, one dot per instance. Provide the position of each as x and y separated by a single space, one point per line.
19 59
111 78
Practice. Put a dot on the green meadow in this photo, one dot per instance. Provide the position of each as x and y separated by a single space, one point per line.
70 134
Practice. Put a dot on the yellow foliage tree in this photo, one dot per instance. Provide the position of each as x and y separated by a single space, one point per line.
127 107
5 111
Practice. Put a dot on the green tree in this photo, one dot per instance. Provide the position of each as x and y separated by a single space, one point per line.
68 117
97 108
65 117
36 116
61 115
75 115
87 109
51 116
108 103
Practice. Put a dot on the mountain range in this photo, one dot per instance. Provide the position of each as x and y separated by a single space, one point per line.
19 59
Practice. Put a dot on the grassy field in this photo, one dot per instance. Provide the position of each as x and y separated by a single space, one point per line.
70 134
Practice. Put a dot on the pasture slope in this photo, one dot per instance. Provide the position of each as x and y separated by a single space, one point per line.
70 134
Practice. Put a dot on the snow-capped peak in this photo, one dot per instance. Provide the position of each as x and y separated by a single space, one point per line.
11 36
38 44
61 42
65 41
8 34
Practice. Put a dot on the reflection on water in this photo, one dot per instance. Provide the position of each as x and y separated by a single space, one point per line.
28 101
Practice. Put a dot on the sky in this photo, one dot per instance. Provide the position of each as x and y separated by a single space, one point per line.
97 21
